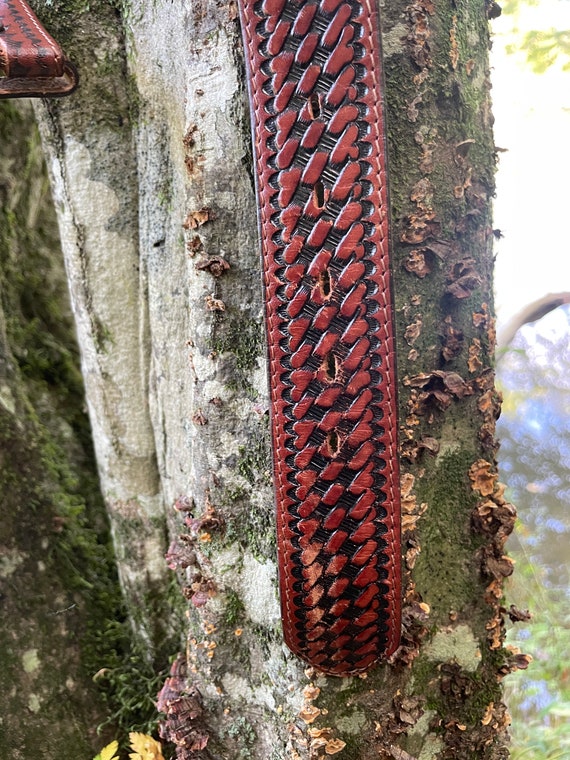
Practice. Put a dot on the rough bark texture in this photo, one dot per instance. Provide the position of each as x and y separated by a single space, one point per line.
152 174
57 581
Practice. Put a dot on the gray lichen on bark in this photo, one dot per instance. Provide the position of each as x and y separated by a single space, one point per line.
92 163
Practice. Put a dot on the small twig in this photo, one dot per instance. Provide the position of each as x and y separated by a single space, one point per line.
66 609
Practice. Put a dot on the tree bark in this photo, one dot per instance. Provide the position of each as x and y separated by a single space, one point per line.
152 176
57 580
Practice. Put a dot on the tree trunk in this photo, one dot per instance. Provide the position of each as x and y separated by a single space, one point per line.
57 580
152 176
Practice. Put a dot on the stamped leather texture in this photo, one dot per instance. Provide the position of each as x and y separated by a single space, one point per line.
31 61
316 97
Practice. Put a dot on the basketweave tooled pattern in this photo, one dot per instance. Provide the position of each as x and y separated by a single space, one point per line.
30 49
314 78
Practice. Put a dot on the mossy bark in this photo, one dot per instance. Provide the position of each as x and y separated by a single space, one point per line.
171 248
57 577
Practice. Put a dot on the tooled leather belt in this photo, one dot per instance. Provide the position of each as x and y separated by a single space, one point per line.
316 97
32 64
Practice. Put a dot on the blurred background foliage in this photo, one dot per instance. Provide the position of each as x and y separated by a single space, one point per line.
534 430
533 373
542 47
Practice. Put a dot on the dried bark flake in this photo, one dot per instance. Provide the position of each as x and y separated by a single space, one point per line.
482 477
334 746
309 713
417 263
196 219
462 279
215 265
214 304
474 361
413 331
419 227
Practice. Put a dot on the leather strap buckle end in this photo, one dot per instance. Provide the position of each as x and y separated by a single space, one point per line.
41 87
32 63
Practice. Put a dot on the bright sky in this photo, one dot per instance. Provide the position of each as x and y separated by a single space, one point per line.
532 207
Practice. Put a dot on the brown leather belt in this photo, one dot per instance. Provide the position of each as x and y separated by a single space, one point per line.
31 62
316 96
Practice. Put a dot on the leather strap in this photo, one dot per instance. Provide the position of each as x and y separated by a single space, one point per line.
32 64
316 97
